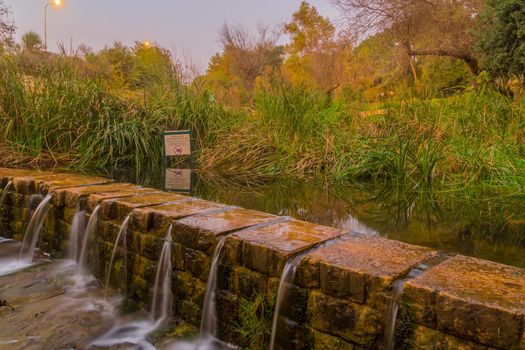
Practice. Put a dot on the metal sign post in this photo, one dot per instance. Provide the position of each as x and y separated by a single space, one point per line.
174 144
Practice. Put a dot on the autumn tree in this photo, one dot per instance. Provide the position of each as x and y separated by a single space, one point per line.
316 53
7 27
244 58
420 27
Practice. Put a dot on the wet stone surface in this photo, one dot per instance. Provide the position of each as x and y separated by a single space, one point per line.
265 249
96 198
200 232
357 265
40 312
160 216
472 299
70 196
118 209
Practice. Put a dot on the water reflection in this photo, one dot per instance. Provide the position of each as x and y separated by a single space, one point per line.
484 225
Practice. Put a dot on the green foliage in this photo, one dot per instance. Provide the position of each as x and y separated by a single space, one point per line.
443 76
31 41
60 110
255 322
501 38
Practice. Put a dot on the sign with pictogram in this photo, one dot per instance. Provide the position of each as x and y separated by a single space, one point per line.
177 180
177 143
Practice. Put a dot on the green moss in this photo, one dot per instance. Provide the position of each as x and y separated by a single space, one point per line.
405 327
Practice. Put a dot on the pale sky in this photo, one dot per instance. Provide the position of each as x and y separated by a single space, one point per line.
188 26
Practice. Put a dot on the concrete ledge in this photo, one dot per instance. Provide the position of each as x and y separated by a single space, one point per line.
340 295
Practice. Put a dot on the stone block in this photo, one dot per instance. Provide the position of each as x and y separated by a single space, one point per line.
324 341
246 283
472 299
7 174
197 263
70 196
96 198
150 246
431 339
177 256
120 208
160 216
266 249
358 266
200 232
58 181
182 284
144 268
353 322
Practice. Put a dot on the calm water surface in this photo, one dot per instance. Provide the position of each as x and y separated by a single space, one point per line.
486 226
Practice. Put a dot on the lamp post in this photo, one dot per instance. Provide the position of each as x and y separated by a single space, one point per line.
55 3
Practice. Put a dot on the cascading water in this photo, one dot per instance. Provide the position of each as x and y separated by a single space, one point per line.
398 287
284 284
122 231
91 228
4 192
33 230
209 314
161 308
393 307
136 332
78 225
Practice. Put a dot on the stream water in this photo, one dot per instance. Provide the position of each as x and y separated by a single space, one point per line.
475 223
122 233
33 231
90 230
76 234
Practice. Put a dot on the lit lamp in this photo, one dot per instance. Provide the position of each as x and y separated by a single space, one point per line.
55 3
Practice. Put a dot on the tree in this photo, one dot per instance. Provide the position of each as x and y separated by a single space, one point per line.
244 58
7 28
31 41
420 27
316 55
248 56
501 37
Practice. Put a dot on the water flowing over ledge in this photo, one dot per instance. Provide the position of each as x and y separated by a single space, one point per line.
226 263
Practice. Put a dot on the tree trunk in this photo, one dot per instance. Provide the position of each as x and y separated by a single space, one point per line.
465 57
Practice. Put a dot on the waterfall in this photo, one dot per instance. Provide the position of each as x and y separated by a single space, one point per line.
161 309
209 312
91 227
398 287
136 332
287 278
123 229
285 282
78 225
393 307
33 230
4 192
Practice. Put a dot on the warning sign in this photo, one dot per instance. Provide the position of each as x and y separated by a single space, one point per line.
178 180
177 144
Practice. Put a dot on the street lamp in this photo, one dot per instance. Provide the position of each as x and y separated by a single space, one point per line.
55 3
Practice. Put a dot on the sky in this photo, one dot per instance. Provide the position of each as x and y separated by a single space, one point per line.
188 27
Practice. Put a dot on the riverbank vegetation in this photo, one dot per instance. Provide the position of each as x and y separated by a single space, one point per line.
408 106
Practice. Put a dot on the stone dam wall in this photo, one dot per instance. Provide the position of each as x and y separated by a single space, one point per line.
341 292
